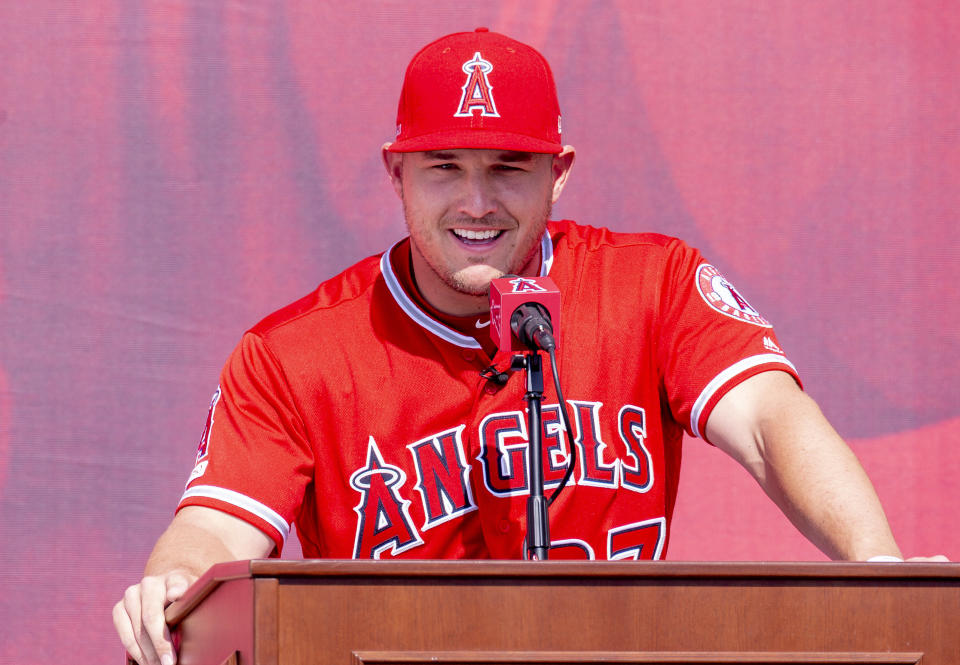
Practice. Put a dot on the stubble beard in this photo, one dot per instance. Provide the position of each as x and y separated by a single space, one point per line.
456 281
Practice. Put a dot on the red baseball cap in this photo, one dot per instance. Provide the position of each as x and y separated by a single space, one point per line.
480 90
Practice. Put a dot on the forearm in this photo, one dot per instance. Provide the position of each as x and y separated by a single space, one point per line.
819 484
185 548
198 538
779 434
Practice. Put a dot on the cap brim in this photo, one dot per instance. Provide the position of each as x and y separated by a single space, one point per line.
479 139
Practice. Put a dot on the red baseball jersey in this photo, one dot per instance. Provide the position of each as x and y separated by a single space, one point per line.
368 422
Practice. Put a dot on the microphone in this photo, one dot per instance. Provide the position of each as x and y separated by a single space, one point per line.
524 313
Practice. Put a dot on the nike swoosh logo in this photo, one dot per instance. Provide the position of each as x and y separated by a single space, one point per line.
482 325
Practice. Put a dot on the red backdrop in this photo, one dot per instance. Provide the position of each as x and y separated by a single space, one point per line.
171 171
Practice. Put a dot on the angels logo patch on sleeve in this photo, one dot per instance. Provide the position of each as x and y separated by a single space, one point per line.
721 295
204 446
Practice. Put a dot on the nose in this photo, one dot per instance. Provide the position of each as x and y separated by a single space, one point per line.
477 198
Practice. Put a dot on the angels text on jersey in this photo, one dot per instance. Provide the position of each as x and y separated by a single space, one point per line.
443 487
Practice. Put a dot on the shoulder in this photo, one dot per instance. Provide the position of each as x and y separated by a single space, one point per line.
333 297
590 247
567 234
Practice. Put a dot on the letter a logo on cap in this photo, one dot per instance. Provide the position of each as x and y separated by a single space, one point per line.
477 91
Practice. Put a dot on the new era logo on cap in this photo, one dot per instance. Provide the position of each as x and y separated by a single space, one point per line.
480 90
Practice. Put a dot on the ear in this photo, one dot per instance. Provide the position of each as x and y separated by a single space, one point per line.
562 164
393 162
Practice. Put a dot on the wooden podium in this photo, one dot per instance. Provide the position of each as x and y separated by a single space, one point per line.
512 613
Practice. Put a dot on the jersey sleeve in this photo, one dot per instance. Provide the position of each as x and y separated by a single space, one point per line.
254 461
711 338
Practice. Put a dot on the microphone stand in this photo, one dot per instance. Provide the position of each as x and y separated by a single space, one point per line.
538 524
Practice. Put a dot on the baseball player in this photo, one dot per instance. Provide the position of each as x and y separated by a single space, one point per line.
377 416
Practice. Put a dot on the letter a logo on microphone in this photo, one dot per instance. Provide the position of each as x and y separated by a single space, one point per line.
524 285
508 294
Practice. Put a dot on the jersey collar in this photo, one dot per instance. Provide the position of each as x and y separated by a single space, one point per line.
426 321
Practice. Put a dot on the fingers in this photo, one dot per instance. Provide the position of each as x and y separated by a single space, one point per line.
939 558
124 627
129 626
153 592
139 618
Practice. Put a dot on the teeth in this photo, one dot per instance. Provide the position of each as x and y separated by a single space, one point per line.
476 235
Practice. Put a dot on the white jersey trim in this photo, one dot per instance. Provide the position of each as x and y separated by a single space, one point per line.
425 321
546 254
252 506
723 377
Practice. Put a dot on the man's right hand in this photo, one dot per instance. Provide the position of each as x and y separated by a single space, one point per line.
139 618
196 539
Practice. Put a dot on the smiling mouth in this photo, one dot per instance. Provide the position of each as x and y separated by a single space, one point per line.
471 237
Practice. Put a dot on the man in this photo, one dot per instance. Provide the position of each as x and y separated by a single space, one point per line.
375 412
